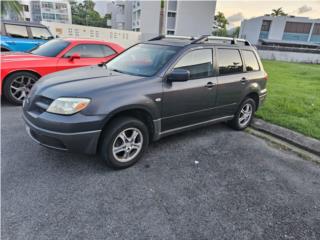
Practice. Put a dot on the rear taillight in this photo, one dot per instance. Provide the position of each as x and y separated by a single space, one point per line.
266 77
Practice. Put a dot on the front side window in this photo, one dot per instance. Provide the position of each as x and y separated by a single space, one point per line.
40 33
250 60
86 51
229 61
51 48
16 31
198 63
143 59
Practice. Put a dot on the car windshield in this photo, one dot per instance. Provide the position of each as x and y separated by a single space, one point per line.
143 59
51 48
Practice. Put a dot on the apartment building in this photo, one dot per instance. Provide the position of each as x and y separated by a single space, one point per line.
174 17
282 30
48 10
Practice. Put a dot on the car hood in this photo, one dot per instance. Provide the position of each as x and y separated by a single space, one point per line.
81 82
19 57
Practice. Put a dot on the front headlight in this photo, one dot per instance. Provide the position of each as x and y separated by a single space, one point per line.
68 106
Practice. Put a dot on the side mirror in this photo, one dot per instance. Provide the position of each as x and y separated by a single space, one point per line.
74 56
178 75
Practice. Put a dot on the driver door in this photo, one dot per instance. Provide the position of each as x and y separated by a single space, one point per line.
189 102
90 54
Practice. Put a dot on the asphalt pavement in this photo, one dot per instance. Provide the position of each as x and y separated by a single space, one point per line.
210 183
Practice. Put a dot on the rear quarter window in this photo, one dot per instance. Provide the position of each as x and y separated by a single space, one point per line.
250 61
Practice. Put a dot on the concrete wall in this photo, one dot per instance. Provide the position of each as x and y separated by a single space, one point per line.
123 38
290 56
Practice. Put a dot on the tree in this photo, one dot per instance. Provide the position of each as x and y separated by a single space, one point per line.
278 12
11 6
221 22
236 32
83 13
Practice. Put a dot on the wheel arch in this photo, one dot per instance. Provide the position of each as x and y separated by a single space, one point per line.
16 71
255 97
138 112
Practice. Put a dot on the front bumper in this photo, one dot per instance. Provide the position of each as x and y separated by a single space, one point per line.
81 142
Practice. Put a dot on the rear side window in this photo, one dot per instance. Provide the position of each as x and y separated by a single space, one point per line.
250 61
107 51
16 31
198 63
40 33
229 61
86 51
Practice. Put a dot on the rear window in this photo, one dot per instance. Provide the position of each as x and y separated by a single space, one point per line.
16 31
250 61
229 61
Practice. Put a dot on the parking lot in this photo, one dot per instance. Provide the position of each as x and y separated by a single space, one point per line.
212 183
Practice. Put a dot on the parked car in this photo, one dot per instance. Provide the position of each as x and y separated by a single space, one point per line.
19 71
22 36
153 89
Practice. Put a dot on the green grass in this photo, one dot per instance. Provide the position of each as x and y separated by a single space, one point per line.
293 99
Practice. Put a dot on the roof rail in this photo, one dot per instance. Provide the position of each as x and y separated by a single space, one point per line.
171 37
224 39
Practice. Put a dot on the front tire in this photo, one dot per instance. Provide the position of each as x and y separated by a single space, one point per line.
244 115
18 85
123 142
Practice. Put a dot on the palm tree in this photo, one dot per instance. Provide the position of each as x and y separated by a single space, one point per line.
278 12
12 6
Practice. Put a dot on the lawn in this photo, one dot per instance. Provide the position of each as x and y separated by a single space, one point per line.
293 99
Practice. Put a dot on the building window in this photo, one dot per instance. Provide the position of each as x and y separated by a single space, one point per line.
27 19
48 16
70 31
25 8
315 37
297 31
170 32
265 28
48 5
171 14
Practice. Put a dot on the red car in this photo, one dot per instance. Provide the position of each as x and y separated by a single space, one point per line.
19 71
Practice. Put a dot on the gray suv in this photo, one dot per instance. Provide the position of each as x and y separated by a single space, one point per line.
153 89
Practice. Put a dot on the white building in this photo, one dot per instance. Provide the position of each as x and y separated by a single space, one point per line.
190 18
47 10
174 17
281 30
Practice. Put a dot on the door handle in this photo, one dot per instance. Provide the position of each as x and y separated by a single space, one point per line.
209 85
243 80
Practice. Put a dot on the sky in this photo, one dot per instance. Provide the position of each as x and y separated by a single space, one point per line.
236 11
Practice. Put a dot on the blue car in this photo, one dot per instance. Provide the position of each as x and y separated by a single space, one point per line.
22 36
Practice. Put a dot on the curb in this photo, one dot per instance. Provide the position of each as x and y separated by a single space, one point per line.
297 139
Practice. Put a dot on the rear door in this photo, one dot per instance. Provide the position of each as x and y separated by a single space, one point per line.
90 54
231 80
192 101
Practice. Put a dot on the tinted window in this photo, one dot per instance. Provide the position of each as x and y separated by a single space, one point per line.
107 51
51 48
198 63
250 60
229 61
86 51
40 33
143 59
16 31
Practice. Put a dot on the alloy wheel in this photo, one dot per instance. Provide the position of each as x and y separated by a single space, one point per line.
127 145
21 86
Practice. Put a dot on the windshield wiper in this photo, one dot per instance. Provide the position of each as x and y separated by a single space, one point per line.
117 70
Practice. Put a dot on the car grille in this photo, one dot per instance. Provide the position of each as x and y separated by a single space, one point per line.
40 104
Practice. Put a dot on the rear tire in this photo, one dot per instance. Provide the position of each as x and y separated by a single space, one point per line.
18 85
244 115
123 142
